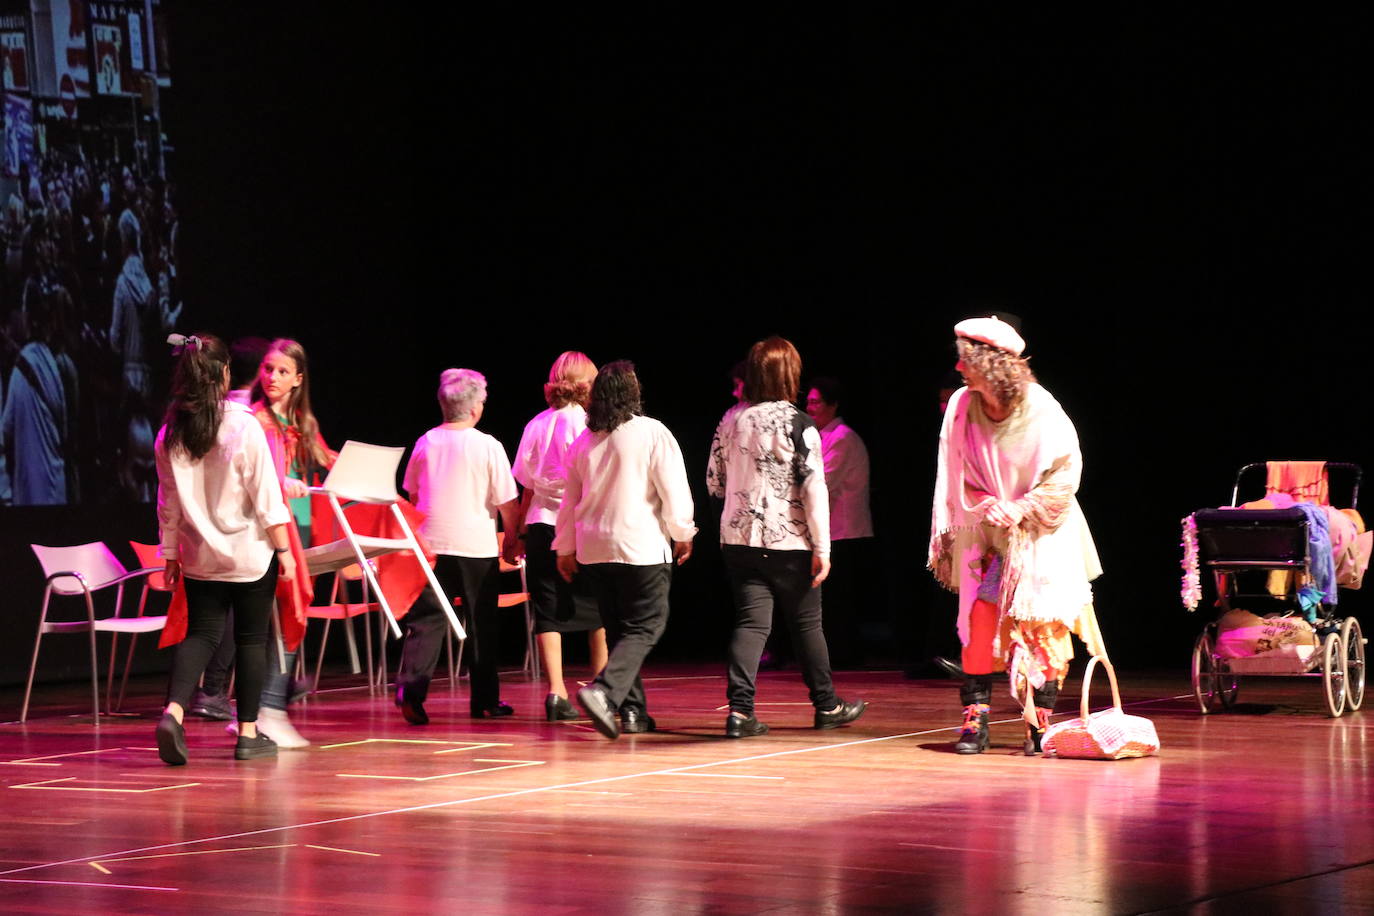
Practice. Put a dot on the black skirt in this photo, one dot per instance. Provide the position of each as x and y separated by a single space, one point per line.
559 607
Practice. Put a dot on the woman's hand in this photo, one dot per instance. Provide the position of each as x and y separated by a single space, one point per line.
820 568
295 489
512 549
286 569
171 572
567 567
1004 514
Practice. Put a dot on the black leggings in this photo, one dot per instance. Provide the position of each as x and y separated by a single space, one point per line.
207 604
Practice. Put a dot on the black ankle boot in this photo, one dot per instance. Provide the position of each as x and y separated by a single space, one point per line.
976 694
1044 700
973 737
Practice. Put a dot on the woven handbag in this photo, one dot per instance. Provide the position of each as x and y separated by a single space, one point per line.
1106 735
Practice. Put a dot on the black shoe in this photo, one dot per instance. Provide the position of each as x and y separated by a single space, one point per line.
948 666
558 709
1035 734
597 705
841 715
973 736
252 748
211 706
171 741
635 721
499 711
413 711
737 726
300 689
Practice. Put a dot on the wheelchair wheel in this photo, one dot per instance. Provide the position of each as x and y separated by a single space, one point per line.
1353 641
1213 688
1333 674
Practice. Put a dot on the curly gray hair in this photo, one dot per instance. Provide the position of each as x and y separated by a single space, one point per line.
460 392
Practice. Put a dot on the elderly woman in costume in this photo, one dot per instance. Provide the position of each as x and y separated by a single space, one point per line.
1007 534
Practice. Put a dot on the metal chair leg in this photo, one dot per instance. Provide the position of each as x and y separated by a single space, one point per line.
95 669
33 665
319 657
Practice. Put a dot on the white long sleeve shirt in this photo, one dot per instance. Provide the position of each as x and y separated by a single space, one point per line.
766 464
539 459
846 480
458 478
626 498
214 512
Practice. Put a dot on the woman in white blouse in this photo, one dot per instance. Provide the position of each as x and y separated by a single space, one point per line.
223 534
774 533
626 517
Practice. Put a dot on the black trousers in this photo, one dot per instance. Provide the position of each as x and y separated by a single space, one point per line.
762 580
634 608
477 581
207 605
847 599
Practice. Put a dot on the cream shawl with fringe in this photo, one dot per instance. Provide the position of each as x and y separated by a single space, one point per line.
1031 457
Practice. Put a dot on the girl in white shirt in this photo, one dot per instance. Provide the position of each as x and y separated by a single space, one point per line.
223 535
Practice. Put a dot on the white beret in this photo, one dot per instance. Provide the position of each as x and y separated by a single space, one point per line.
992 331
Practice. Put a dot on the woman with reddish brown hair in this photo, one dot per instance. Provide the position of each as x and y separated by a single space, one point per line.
775 533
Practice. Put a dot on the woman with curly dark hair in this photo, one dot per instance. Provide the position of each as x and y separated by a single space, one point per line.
774 533
626 518
559 607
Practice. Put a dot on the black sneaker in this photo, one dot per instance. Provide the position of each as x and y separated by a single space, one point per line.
252 748
738 726
171 741
300 689
211 706
840 715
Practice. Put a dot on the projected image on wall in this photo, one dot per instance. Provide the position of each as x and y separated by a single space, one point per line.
88 292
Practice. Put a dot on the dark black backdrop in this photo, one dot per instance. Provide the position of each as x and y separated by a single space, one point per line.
1179 210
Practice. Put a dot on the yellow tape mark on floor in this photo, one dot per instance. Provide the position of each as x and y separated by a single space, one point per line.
510 765
48 784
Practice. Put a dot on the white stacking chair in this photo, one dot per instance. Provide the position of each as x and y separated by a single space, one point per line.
341 609
80 572
366 473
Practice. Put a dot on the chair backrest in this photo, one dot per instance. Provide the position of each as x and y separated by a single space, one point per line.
364 472
147 557
93 561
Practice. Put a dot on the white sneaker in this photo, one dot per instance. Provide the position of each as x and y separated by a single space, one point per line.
275 724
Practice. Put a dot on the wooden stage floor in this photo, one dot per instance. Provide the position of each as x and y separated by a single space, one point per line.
1263 809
